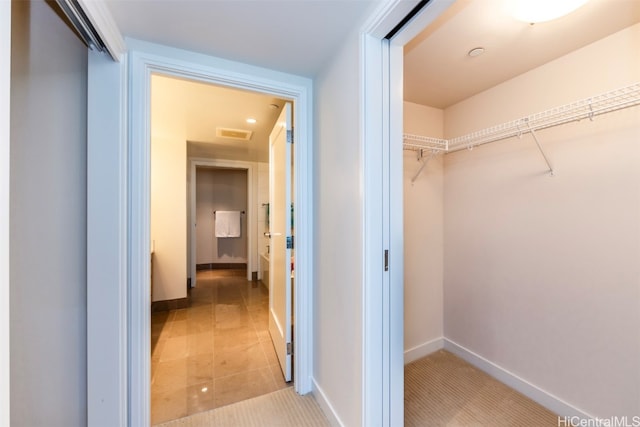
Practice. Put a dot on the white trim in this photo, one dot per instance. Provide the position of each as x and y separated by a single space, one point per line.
252 244
5 150
102 20
544 398
383 361
419 22
145 59
381 105
396 233
423 350
372 248
387 16
138 190
326 406
106 241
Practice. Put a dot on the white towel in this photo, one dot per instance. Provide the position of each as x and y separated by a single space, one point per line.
227 223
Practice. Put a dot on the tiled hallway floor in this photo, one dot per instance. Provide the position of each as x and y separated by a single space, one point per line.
216 352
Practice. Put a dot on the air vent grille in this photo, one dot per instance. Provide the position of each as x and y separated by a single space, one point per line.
238 134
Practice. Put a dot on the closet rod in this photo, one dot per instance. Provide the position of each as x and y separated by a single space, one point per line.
625 97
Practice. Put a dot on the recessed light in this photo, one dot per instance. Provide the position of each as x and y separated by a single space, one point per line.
251 120
476 51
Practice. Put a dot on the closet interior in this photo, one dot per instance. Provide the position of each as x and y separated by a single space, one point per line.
522 201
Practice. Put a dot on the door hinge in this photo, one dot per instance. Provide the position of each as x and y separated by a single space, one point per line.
290 136
289 348
386 260
290 242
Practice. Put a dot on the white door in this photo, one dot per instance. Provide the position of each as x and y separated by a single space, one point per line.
281 240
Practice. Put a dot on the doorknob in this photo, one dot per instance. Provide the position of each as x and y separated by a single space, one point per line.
267 234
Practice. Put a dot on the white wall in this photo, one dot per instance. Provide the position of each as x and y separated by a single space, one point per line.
48 220
542 274
220 189
168 194
338 235
423 237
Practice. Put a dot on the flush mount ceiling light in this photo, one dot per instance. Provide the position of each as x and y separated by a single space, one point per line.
535 11
251 120
274 106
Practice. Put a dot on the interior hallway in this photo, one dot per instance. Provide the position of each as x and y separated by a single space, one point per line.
214 353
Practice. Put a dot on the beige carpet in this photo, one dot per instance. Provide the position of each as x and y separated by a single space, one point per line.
440 390
284 408
444 390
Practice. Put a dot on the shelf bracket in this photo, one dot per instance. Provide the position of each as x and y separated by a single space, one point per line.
535 138
424 163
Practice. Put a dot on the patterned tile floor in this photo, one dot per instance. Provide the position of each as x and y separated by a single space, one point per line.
216 352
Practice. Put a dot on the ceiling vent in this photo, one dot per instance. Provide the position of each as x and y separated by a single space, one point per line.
239 134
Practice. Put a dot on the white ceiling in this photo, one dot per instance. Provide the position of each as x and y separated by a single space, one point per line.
294 36
301 36
438 72
195 110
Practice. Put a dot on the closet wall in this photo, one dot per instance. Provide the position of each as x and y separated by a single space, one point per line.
423 238
48 219
542 274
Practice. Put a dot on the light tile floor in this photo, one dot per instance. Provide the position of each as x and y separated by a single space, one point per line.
216 352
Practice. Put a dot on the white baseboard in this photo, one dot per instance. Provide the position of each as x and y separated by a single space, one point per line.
325 405
423 350
533 392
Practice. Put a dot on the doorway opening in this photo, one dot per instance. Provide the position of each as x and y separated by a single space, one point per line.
460 252
221 227
217 340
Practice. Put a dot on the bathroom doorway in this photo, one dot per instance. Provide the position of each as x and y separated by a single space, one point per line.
215 348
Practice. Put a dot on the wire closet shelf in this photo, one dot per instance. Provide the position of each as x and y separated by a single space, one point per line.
588 108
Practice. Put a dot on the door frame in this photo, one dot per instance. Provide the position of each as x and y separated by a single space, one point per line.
382 124
5 154
119 161
252 232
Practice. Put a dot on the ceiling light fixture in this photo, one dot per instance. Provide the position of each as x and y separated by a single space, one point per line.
251 120
535 11
476 51
274 106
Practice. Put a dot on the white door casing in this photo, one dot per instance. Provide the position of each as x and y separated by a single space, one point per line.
126 325
382 103
107 250
252 245
280 280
